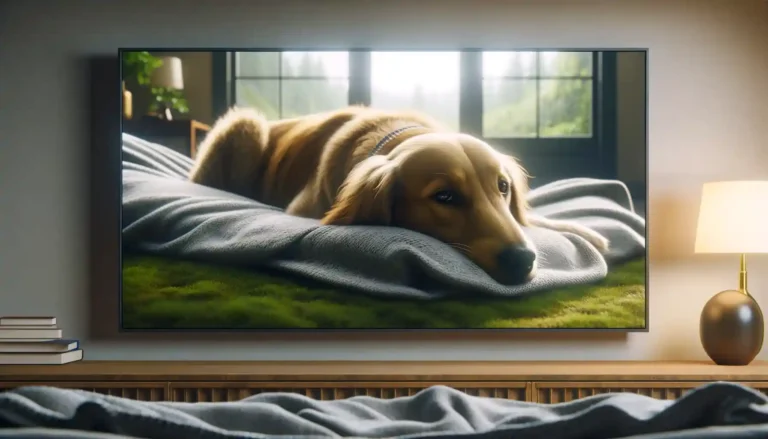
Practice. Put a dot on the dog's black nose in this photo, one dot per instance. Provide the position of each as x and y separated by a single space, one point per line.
515 263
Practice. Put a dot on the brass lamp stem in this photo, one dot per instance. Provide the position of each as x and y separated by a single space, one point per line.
743 275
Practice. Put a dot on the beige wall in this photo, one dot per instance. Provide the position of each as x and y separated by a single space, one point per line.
630 117
707 70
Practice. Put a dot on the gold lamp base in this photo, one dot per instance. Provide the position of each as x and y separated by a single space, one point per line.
731 326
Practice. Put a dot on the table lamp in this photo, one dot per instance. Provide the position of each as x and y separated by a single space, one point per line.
732 219
168 76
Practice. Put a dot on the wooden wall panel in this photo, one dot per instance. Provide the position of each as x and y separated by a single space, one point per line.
543 382
234 391
141 391
555 392
213 391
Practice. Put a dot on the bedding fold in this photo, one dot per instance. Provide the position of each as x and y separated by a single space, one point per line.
715 410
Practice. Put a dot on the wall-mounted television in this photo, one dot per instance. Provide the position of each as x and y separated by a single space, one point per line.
372 189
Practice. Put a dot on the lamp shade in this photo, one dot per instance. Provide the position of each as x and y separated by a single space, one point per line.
169 74
733 218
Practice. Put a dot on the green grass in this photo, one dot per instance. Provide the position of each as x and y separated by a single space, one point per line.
173 294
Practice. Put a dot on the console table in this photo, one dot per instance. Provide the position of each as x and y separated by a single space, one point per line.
544 382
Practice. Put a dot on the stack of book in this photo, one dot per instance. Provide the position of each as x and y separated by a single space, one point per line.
35 340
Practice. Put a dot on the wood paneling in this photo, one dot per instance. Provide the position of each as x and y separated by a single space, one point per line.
153 391
544 382
234 391
554 392
378 371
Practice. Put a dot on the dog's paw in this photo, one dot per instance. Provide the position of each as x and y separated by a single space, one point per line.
601 243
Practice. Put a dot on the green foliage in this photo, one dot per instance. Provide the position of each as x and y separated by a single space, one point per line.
296 96
139 65
163 96
510 118
252 98
166 293
564 106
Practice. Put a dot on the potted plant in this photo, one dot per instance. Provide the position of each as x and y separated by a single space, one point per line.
141 65
166 87
138 65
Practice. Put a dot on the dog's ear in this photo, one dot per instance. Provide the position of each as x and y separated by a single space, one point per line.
518 200
366 196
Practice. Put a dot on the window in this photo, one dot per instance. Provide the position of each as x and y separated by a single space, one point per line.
529 102
422 81
537 94
555 110
291 84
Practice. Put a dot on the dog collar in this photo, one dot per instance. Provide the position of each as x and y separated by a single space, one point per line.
384 140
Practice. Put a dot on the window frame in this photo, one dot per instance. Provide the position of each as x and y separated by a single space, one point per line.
596 154
473 78
280 78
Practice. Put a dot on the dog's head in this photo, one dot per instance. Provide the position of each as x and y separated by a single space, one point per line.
450 186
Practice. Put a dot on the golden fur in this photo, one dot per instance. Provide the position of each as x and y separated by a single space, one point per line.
448 185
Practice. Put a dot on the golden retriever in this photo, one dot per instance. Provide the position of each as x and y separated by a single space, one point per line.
360 165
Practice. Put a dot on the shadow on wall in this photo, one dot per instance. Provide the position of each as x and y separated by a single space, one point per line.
671 225
105 195
673 213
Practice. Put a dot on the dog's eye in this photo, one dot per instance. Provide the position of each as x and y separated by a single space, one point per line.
445 197
503 186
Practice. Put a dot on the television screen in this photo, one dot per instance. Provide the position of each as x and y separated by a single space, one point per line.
374 189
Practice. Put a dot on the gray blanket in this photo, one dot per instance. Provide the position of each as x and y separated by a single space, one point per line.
165 214
715 410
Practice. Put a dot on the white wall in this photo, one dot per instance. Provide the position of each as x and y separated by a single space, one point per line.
708 113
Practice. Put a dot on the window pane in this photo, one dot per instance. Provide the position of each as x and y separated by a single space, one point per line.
307 96
509 64
509 108
560 64
317 64
261 94
566 108
257 64
420 81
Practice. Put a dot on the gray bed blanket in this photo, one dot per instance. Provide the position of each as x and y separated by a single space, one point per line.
165 214
711 411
